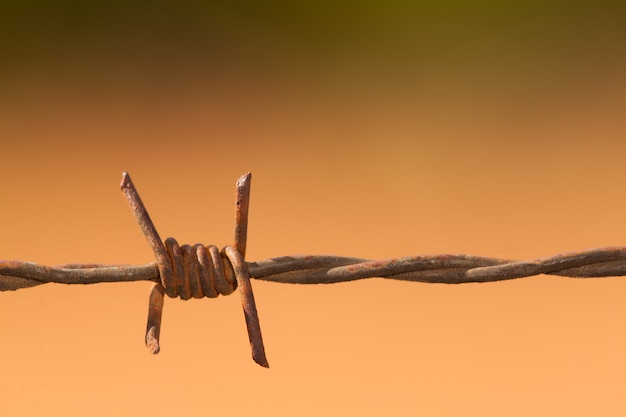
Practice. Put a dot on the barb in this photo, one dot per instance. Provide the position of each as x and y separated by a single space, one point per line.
203 271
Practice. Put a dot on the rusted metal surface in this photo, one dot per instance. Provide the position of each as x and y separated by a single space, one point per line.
204 271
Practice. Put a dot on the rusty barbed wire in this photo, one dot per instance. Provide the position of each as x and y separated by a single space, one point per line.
204 271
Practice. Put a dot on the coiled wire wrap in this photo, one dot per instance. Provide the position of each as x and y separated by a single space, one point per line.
197 271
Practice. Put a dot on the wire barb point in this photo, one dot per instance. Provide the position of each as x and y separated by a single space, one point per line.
198 271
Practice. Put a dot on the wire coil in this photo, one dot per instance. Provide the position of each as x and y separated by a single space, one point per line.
197 271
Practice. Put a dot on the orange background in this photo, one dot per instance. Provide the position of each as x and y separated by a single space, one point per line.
487 130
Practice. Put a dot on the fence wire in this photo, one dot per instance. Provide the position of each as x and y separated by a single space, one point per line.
205 271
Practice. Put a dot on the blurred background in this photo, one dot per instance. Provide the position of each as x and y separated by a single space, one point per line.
373 129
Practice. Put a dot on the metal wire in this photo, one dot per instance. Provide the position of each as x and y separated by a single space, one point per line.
203 271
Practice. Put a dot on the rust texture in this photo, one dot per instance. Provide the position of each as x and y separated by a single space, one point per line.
204 271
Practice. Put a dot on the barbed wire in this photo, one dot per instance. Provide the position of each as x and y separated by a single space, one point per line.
204 271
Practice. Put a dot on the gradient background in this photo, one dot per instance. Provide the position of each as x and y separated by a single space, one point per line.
373 129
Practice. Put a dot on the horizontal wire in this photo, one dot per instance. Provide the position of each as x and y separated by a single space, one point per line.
328 269
17 274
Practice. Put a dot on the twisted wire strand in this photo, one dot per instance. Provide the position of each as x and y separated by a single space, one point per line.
204 271
328 269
